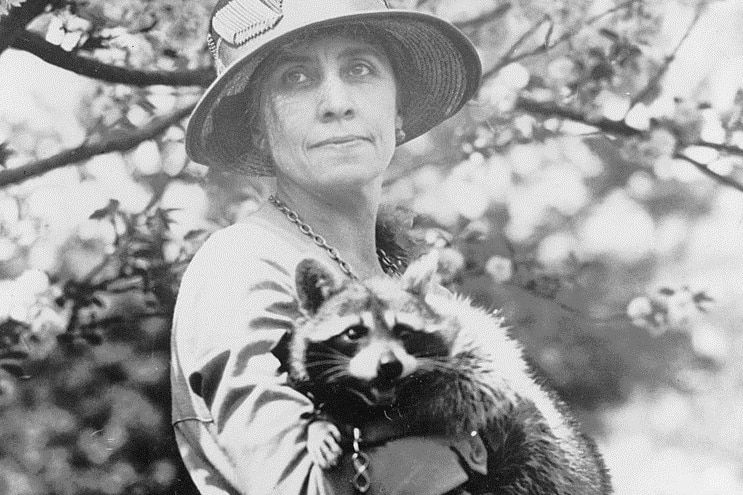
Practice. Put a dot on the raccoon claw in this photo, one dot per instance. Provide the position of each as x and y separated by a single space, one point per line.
323 444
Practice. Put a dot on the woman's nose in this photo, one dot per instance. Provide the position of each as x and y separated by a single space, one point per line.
336 101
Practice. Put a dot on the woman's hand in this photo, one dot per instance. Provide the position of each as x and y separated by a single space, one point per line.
323 443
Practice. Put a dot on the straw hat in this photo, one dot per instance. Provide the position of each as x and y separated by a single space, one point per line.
441 68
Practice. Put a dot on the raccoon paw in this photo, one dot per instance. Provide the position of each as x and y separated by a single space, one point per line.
323 443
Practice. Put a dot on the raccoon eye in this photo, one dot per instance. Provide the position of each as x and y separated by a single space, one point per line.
403 331
356 332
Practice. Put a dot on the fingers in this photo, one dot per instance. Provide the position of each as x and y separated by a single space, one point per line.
335 432
325 454
329 453
323 444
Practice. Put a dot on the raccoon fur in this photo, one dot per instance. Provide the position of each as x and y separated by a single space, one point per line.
395 348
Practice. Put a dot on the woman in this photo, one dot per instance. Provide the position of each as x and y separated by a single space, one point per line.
317 94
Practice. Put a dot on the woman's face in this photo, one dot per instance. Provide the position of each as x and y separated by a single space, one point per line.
329 112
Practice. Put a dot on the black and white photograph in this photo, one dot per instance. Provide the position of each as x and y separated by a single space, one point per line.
371 247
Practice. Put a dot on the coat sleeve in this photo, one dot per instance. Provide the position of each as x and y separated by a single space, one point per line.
236 315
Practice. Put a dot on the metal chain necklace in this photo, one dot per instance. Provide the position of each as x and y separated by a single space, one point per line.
388 265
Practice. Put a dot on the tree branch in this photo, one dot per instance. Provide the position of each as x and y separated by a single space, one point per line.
723 148
551 109
652 84
614 127
727 181
14 23
89 67
507 57
619 128
116 141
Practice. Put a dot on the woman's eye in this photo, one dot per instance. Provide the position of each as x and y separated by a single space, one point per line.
359 70
356 332
295 77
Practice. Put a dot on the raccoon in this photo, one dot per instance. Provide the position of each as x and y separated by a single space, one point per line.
398 349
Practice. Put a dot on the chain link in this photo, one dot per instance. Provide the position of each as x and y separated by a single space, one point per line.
361 480
390 266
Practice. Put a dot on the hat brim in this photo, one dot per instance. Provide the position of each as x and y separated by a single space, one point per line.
444 64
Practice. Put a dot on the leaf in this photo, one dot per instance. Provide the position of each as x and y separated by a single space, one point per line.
126 284
107 211
145 252
94 43
10 332
700 297
6 5
609 34
192 235
602 70
548 36
5 153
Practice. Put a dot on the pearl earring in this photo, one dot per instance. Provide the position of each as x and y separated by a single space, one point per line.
399 136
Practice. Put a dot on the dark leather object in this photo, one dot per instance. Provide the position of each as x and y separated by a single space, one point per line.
416 466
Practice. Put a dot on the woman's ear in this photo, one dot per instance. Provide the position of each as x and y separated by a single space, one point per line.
314 285
398 120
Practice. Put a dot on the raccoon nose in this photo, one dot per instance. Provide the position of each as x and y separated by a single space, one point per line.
389 367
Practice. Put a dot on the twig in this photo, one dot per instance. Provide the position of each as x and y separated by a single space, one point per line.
89 67
509 56
652 84
723 148
117 141
727 181
614 127
14 23
554 110
484 18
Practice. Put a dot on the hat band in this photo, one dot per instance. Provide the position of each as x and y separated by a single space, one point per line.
241 20
240 26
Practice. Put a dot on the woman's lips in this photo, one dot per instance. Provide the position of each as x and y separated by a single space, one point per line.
340 141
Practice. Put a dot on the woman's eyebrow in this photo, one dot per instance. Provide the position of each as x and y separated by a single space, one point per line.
349 52
354 51
286 58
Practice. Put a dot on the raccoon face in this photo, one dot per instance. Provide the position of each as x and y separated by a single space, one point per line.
363 338
370 361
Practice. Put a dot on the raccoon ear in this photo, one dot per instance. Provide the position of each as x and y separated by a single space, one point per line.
419 276
314 284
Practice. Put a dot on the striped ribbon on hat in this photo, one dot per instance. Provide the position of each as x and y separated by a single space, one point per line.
242 20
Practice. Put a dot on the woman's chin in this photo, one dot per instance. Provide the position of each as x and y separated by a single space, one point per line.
349 170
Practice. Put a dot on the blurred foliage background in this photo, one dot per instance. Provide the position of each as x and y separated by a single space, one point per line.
593 191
